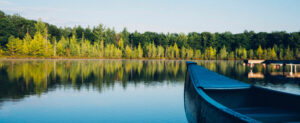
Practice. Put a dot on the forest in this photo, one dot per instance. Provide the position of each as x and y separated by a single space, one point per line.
21 37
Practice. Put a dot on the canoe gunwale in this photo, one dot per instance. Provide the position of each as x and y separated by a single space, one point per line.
235 88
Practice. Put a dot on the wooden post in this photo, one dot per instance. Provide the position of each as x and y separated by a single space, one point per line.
291 73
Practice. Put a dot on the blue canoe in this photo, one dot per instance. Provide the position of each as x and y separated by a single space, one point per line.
211 97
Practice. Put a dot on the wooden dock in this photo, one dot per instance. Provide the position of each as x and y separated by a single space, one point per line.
276 62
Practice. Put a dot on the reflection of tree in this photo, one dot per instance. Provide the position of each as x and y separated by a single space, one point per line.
23 77
37 72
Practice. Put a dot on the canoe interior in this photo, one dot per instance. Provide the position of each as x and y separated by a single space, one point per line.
260 104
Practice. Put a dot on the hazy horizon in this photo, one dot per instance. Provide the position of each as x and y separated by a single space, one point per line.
163 16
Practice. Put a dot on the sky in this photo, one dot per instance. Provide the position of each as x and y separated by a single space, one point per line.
164 15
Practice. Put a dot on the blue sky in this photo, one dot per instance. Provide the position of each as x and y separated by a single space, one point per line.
164 15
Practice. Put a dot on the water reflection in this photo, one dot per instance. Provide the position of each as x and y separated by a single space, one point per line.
275 70
19 78
278 77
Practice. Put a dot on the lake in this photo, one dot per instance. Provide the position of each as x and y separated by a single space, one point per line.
127 91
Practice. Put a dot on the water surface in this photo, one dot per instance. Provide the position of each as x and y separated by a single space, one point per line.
126 91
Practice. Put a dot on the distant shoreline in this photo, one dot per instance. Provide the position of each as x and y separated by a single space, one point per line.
93 58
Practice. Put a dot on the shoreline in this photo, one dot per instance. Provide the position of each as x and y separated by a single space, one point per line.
86 58
95 58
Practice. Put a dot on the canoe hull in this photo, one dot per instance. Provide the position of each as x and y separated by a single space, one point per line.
203 103
199 109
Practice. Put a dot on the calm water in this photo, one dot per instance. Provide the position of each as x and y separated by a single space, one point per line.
113 90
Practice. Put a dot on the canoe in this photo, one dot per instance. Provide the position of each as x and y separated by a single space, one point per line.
210 97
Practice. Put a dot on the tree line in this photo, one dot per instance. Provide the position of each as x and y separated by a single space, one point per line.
23 37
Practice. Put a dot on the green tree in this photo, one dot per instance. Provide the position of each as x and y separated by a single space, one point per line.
41 27
231 56
288 54
265 54
99 33
1 51
297 53
251 54
281 54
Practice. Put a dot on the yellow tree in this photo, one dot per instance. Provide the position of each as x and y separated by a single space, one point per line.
190 53
74 46
26 41
1 51
259 52
272 54
36 46
61 47
86 48
183 52
54 47
176 51
170 52
121 44
101 48
14 46
42 28
160 51
140 51
48 51
244 53
223 52
151 50
128 52
198 54
210 53
117 53
154 50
